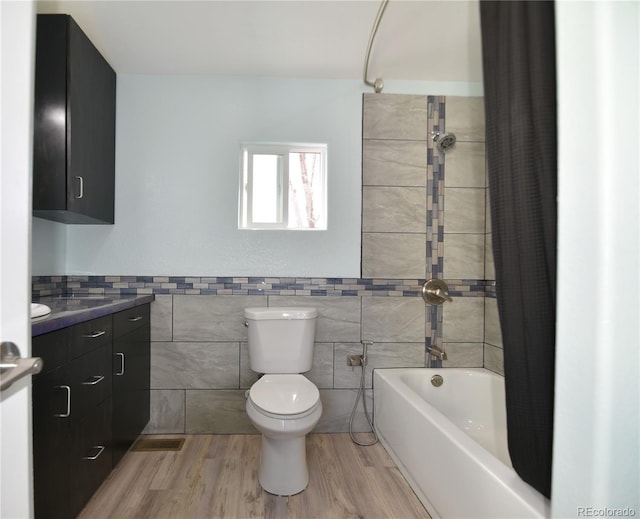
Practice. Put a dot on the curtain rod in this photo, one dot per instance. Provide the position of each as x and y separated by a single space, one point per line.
378 84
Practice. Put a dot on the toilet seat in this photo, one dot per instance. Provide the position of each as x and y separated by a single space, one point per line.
285 396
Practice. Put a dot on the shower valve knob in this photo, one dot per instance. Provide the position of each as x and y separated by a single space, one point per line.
435 292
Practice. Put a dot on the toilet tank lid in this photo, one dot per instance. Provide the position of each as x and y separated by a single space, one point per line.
279 313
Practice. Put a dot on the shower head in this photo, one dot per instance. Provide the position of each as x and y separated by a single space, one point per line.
444 141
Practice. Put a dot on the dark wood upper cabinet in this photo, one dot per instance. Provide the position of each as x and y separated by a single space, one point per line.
74 126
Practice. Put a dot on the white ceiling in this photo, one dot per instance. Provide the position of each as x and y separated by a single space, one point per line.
423 40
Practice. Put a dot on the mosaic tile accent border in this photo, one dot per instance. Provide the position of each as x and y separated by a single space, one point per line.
435 189
435 212
490 289
190 285
42 286
193 285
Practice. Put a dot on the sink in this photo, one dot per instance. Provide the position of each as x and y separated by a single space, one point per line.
39 310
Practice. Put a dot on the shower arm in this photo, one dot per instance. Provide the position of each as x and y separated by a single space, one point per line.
378 84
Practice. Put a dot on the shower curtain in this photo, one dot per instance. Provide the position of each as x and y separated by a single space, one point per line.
518 45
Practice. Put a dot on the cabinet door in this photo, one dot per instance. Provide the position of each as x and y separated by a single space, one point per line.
74 126
92 98
131 379
51 416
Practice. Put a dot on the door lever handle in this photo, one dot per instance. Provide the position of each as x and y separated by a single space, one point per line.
13 367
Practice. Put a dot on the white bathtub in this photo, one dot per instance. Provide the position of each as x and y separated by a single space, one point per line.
450 442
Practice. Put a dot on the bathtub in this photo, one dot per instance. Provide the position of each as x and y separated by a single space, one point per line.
450 442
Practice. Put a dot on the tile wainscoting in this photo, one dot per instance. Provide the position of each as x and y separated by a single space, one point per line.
199 363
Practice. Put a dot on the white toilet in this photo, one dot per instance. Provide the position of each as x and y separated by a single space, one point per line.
283 404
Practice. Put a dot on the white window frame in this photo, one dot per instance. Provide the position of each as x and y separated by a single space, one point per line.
282 151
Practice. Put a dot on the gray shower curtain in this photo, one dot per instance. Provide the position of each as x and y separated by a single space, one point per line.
518 45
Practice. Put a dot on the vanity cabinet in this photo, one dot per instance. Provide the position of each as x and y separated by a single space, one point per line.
90 403
72 417
74 126
131 377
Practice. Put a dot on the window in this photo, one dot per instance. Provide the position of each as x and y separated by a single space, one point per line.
283 186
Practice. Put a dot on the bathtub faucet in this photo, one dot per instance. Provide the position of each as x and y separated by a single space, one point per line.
439 354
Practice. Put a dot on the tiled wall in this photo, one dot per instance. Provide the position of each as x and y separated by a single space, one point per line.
419 221
200 364
424 214
199 358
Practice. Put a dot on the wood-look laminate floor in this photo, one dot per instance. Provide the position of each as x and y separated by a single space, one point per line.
215 476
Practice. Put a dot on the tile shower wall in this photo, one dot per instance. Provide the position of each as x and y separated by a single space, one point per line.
200 369
407 185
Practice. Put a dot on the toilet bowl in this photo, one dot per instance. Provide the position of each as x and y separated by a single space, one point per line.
284 408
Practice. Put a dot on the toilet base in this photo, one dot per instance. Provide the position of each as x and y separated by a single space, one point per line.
283 466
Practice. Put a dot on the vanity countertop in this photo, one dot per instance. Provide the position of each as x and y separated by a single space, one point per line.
67 311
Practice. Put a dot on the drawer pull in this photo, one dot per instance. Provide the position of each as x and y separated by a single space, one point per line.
95 335
135 319
93 380
100 449
67 413
121 355
80 188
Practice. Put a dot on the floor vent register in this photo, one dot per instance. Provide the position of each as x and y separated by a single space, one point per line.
158 444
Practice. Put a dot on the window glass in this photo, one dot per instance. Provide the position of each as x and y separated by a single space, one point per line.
283 186
267 181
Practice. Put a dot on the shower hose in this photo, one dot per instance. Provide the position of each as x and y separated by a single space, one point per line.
361 395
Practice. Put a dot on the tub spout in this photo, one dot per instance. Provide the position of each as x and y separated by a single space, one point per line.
439 354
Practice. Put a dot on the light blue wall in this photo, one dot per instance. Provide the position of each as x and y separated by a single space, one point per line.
178 142
177 151
49 248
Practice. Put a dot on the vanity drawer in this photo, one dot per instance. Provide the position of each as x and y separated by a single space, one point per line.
90 455
52 348
131 319
90 381
90 335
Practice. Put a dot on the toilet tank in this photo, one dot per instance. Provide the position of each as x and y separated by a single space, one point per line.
281 340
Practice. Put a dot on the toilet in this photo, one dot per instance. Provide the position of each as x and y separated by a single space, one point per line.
283 404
